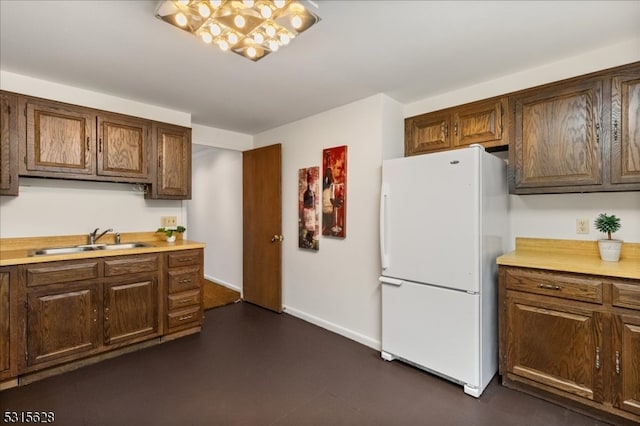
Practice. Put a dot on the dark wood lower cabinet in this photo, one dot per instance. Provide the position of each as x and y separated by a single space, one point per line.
62 322
572 339
55 316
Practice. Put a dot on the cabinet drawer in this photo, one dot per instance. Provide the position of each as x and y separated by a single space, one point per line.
184 258
555 284
180 300
61 272
184 317
625 295
130 265
184 279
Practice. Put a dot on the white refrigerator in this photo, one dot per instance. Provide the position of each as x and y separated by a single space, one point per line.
443 222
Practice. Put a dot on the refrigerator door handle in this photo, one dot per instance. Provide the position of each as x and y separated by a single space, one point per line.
384 255
392 281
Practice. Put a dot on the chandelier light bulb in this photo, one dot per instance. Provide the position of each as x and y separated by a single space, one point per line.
265 11
296 21
247 3
279 4
181 19
284 39
183 2
239 21
273 45
251 51
215 29
215 3
223 45
204 10
270 30
207 37
258 38
233 38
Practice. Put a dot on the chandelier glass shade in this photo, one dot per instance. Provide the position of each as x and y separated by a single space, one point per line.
251 28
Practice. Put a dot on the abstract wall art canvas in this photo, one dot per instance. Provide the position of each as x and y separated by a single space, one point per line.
308 208
334 191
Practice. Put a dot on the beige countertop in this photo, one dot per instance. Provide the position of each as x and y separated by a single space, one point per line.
15 251
572 256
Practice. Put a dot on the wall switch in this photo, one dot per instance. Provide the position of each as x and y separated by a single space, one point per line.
582 226
168 221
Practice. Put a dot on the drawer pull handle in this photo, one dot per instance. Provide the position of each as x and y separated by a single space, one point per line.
185 281
186 259
549 287
617 362
597 358
183 301
184 318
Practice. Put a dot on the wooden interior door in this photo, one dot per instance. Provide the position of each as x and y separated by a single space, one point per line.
262 227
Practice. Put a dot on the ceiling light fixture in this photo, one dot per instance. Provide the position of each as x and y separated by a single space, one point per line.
252 29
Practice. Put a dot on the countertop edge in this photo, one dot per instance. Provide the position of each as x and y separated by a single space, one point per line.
571 256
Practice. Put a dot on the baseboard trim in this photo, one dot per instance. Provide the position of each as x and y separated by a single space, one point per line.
224 283
350 334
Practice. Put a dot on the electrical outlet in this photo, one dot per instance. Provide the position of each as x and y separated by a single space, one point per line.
582 226
168 221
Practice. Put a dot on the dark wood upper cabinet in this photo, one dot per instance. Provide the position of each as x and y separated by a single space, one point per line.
8 144
579 135
478 122
625 128
173 156
60 139
44 138
557 137
124 147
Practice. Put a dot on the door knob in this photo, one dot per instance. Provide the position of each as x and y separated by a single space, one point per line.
278 238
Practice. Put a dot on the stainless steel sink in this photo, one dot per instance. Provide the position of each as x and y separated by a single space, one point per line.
59 250
86 247
122 246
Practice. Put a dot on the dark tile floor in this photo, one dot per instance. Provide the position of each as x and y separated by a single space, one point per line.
253 367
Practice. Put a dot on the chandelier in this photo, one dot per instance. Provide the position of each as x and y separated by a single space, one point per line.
251 28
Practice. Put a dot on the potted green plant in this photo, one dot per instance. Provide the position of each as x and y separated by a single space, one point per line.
169 232
609 248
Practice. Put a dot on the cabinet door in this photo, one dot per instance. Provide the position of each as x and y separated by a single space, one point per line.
130 310
8 144
558 137
426 133
124 147
173 151
556 345
480 122
626 359
60 139
62 322
625 131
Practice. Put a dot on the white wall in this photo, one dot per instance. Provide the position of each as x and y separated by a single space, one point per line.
56 207
337 286
215 213
47 207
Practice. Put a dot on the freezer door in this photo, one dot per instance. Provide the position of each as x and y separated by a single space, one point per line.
435 328
430 218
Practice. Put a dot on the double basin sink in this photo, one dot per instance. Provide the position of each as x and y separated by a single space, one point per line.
85 247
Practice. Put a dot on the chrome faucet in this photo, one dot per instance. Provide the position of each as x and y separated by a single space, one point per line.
92 235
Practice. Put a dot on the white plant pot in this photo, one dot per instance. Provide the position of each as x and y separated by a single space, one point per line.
171 239
610 250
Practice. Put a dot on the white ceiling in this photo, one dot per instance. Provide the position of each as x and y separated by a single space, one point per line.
409 50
